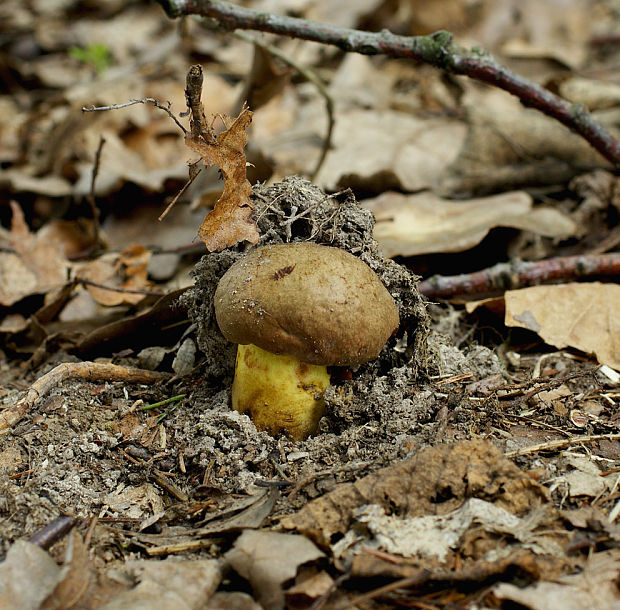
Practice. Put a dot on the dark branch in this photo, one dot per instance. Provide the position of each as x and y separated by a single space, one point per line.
518 274
437 49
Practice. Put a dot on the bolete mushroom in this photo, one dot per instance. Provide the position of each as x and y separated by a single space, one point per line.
295 309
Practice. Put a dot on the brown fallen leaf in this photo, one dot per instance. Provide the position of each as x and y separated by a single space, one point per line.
583 316
230 221
126 270
36 265
424 223
435 481
595 587
269 559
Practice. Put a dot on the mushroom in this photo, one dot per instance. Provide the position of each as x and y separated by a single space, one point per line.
295 309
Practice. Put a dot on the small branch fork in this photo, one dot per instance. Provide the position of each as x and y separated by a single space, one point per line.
518 274
86 371
437 50
144 100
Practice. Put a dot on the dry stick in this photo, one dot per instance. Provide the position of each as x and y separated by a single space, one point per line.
561 444
517 274
144 100
311 77
94 210
87 371
52 532
192 176
437 49
193 95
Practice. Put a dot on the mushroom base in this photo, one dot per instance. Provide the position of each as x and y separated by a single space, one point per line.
280 393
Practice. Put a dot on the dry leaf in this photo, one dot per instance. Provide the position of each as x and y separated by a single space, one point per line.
37 265
595 587
269 559
171 583
508 146
27 576
393 149
435 481
126 271
424 223
583 316
230 221
75 578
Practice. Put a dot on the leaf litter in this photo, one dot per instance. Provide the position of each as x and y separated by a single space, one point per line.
393 457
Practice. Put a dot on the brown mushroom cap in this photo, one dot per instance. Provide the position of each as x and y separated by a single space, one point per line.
317 303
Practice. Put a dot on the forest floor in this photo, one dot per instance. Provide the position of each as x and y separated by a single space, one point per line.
475 463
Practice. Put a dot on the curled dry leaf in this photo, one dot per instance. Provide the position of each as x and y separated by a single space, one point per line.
37 264
424 223
230 221
125 271
583 316
435 481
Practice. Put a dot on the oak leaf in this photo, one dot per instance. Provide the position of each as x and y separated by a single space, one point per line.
231 220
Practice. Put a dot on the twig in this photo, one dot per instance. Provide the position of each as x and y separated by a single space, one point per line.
403 583
517 274
52 532
171 488
324 473
144 100
91 197
193 94
312 77
437 50
561 444
87 371
193 174
149 293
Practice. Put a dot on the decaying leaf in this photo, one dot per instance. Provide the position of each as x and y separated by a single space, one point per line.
167 584
435 481
424 223
269 559
433 536
230 221
36 265
126 270
596 587
583 316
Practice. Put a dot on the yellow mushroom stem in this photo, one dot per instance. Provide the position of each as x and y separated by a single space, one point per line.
280 393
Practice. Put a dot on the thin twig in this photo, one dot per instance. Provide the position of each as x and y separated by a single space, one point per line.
312 77
94 210
144 100
403 583
518 274
86 371
192 176
52 532
438 50
561 444
193 94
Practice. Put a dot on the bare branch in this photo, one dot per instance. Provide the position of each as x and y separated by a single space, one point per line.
144 100
518 274
437 49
